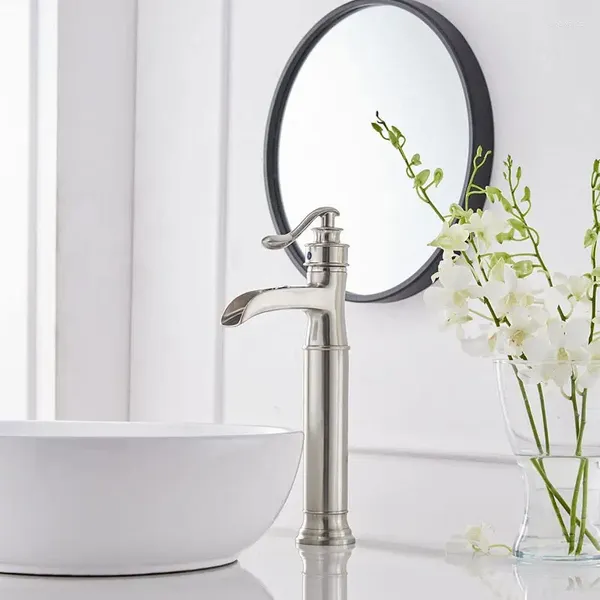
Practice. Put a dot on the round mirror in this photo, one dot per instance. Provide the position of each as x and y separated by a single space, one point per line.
412 65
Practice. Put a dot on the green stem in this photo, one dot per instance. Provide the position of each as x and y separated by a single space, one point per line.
582 476
594 299
534 430
562 501
584 502
422 192
503 546
409 169
479 314
484 299
573 522
595 195
582 422
534 241
512 255
478 256
539 464
540 390
556 509
471 184
573 398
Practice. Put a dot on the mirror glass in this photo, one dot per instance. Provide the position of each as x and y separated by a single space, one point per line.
379 58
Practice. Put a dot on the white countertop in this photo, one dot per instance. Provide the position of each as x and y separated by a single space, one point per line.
274 570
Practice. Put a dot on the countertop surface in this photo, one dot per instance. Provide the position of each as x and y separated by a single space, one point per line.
274 569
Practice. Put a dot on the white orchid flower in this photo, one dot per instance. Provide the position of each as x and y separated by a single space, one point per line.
569 339
506 291
591 374
524 324
478 537
452 292
561 344
482 345
486 226
452 238
575 288
554 299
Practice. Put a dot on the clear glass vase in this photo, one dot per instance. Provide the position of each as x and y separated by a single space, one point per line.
552 413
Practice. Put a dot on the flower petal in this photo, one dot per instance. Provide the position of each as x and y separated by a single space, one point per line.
555 331
537 348
480 346
576 333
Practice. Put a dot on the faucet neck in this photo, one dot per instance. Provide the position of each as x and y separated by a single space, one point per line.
327 329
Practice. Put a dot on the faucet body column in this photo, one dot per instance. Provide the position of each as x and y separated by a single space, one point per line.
326 417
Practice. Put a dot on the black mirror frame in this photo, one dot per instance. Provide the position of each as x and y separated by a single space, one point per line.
480 120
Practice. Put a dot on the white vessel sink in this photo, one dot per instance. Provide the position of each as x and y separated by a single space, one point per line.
88 498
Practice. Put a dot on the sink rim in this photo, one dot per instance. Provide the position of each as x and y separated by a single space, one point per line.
136 430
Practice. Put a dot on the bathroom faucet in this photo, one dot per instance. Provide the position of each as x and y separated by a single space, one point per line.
325 373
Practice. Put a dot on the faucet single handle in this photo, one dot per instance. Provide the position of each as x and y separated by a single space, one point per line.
278 242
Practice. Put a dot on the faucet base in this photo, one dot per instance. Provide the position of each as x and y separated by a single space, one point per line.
325 529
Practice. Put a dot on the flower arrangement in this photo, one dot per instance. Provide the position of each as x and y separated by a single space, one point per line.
495 290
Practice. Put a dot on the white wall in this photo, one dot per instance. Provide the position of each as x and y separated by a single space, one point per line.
175 362
141 107
17 103
96 103
411 389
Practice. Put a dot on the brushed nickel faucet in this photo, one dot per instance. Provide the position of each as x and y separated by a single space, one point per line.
325 372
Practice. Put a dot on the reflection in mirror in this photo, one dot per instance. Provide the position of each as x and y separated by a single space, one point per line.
322 150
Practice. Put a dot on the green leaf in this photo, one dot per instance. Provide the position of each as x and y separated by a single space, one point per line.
421 178
595 272
396 131
496 257
457 211
493 193
438 175
519 173
497 271
523 268
518 225
506 237
377 127
590 238
506 205
526 195
479 152
597 166
415 160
